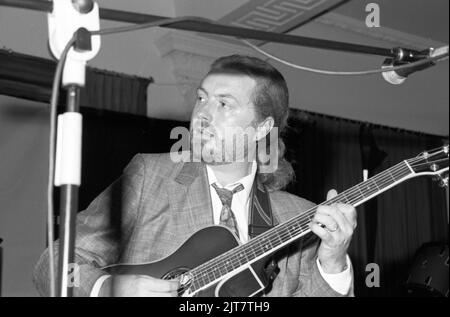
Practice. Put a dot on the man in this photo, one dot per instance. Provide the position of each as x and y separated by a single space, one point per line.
159 202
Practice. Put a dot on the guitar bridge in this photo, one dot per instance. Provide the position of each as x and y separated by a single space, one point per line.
185 278
185 284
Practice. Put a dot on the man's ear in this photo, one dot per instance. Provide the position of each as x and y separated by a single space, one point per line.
264 128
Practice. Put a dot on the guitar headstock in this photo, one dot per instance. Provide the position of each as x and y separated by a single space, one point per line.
433 162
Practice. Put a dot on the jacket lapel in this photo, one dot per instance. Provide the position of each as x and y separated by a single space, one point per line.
190 196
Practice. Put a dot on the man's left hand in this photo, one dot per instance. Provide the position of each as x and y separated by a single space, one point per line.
334 224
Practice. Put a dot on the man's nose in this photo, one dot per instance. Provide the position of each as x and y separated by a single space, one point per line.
206 114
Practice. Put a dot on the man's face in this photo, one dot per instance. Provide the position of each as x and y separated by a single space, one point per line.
223 121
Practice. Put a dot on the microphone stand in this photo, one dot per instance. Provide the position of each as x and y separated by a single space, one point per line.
71 17
69 199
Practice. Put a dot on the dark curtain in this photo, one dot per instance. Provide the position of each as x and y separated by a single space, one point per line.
326 153
31 77
111 139
409 215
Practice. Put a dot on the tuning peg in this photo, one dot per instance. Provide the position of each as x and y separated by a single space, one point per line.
434 167
443 182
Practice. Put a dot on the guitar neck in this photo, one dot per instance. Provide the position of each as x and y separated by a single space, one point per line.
293 229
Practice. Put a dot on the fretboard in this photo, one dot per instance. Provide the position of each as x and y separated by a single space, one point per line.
285 233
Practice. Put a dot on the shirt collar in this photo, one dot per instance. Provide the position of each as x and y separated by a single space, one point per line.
246 181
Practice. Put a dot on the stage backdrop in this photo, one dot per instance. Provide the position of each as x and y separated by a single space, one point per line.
23 159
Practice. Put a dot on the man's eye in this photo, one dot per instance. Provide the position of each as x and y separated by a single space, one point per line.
223 103
201 99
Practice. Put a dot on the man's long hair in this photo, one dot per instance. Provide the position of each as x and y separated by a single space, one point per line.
270 98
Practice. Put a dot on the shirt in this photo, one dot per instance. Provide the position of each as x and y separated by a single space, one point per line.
239 204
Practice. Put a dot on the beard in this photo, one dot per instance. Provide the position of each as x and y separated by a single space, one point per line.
209 148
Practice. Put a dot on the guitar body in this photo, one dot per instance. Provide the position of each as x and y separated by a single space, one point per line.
204 245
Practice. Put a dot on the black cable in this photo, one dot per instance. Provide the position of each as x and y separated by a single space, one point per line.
51 164
349 73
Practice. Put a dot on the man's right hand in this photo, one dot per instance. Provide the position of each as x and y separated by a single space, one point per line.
138 286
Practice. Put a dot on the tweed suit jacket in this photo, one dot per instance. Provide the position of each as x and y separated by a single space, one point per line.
152 209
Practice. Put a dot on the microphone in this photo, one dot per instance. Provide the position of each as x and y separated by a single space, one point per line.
397 77
83 6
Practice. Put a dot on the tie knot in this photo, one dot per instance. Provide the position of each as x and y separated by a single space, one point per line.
225 195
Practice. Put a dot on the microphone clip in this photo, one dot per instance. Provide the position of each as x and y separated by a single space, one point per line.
71 17
403 57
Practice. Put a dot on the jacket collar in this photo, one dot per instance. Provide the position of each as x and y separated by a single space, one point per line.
189 172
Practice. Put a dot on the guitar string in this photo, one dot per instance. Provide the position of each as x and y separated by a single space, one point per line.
431 152
284 233
338 199
435 161
282 237
214 270
211 266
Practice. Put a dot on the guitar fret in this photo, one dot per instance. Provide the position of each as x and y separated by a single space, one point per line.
390 174
243 258
383 180
228 265
405 170
376 184
206 278
201 280
396 175
354 197
199 284
213 272
265 245
284 234
197 279
259 247
194 284
290 229
255 255
278 237
359 189
370 189
270 240
343 195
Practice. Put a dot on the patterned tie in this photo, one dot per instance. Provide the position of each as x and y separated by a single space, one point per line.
227 217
